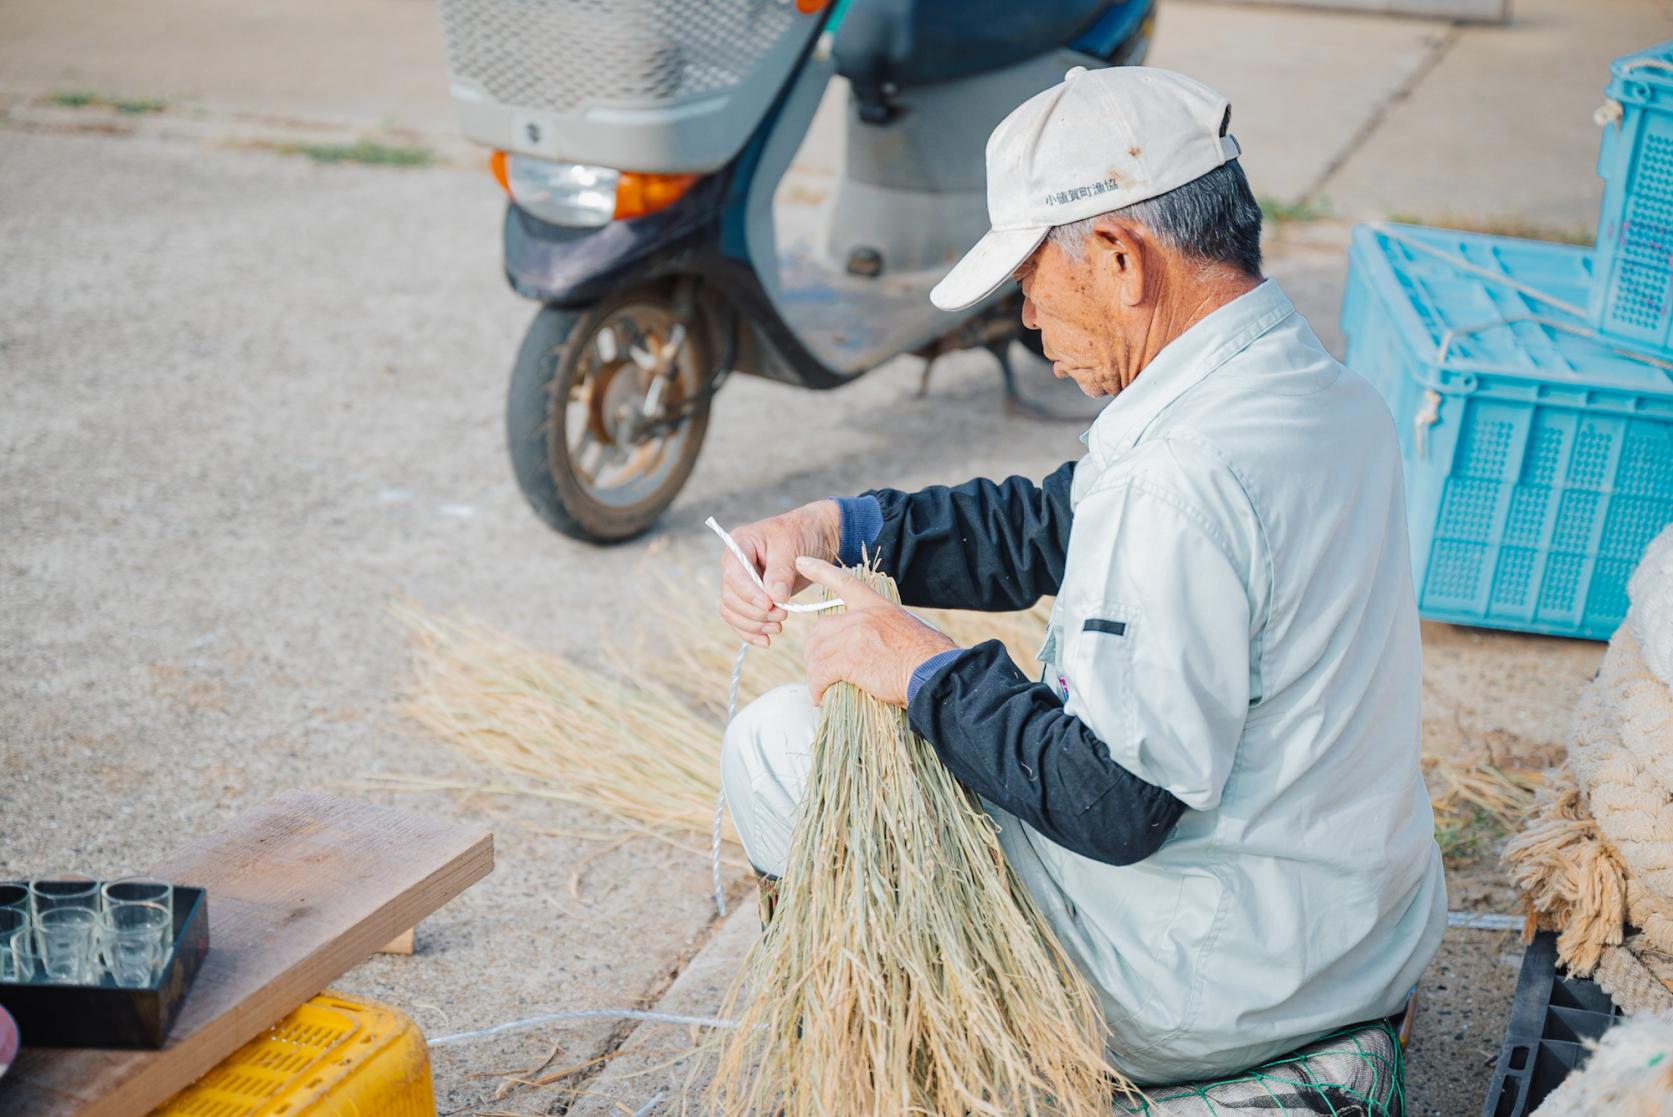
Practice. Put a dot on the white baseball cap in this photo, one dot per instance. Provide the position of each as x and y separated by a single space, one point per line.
1100 140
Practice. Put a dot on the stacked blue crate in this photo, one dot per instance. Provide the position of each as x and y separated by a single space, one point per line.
1538 458
1632 298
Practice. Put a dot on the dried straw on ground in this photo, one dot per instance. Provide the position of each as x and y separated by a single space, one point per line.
555 728
905 969
1503 793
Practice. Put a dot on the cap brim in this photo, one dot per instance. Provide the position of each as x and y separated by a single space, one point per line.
986 267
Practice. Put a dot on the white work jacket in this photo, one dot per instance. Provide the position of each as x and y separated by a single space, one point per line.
1236 623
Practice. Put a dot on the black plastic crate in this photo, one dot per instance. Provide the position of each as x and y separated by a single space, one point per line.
1550 1020
107 1014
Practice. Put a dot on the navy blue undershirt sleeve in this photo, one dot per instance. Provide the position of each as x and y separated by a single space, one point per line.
994 546
862 520
1010 741
926 670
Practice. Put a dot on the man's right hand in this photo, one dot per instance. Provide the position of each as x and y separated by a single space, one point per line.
773 545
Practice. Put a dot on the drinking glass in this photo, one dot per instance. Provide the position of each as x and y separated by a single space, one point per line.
136 937
67 938
26 954
15 952
65 890
14 894
143 890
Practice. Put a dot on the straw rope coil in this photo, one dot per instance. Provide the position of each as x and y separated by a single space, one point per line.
1595 862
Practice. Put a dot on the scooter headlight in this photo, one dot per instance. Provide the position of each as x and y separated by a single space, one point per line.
562 193
584 196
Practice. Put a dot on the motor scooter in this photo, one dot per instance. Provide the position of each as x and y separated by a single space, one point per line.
642 144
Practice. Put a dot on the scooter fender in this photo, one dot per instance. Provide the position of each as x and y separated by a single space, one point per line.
572 267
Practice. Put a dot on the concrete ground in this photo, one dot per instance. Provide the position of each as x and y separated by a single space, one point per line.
1359 117
251 399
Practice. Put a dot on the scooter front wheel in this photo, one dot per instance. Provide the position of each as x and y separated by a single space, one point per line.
606 414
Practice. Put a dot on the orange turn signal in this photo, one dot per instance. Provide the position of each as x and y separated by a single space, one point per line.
638 194
496 163
808 7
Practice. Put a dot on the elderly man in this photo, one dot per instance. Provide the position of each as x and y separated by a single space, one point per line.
1213 792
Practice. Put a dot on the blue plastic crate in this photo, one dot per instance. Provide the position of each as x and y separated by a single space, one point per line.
1632 299
1539 462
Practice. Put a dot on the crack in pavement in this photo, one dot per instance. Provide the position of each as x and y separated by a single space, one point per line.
1374 121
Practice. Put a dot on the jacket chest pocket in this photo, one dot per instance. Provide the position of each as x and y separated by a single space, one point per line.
1096 650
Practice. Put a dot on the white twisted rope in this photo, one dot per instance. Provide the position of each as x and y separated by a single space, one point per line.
732 695
530 1022
1382 228
720 798
749 568
1612 111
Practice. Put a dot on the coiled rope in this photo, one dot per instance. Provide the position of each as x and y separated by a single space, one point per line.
1595 861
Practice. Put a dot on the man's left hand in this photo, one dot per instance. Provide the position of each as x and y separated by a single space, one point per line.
874 644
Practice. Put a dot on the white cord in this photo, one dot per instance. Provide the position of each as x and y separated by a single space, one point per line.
1382 228
582 1014
645 1110
749 568
714 854
720 799
1484 921
732 694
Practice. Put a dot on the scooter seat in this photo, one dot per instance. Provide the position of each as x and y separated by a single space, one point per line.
1355 1072
902 43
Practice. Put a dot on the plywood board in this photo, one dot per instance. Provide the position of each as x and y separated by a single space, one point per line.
301 889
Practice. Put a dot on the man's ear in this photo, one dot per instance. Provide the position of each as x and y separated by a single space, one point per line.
1123 251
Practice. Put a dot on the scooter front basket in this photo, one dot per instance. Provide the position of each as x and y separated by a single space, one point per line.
667 86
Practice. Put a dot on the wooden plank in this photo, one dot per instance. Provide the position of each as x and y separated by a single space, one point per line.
301 889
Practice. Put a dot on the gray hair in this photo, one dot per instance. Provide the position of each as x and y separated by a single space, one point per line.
1213 219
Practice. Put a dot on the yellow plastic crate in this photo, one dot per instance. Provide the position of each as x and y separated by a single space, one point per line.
335 1056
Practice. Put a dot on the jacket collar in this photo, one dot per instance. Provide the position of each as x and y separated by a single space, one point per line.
1183 364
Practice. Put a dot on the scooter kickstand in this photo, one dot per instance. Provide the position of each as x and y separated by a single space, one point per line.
927 354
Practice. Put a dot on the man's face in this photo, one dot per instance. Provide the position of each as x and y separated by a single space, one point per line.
1090 332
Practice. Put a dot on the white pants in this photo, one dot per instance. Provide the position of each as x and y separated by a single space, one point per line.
764 763
765 758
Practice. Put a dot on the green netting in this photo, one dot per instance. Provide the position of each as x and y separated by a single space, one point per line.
1356 1072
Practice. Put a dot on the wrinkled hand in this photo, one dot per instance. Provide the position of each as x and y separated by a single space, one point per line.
874 643
773 546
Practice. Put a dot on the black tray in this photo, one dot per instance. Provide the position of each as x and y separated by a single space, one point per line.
1550 1020
107 1014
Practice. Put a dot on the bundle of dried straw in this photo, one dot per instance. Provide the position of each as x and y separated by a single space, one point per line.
905 969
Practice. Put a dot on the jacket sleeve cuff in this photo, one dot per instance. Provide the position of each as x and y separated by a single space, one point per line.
862 523
926 670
